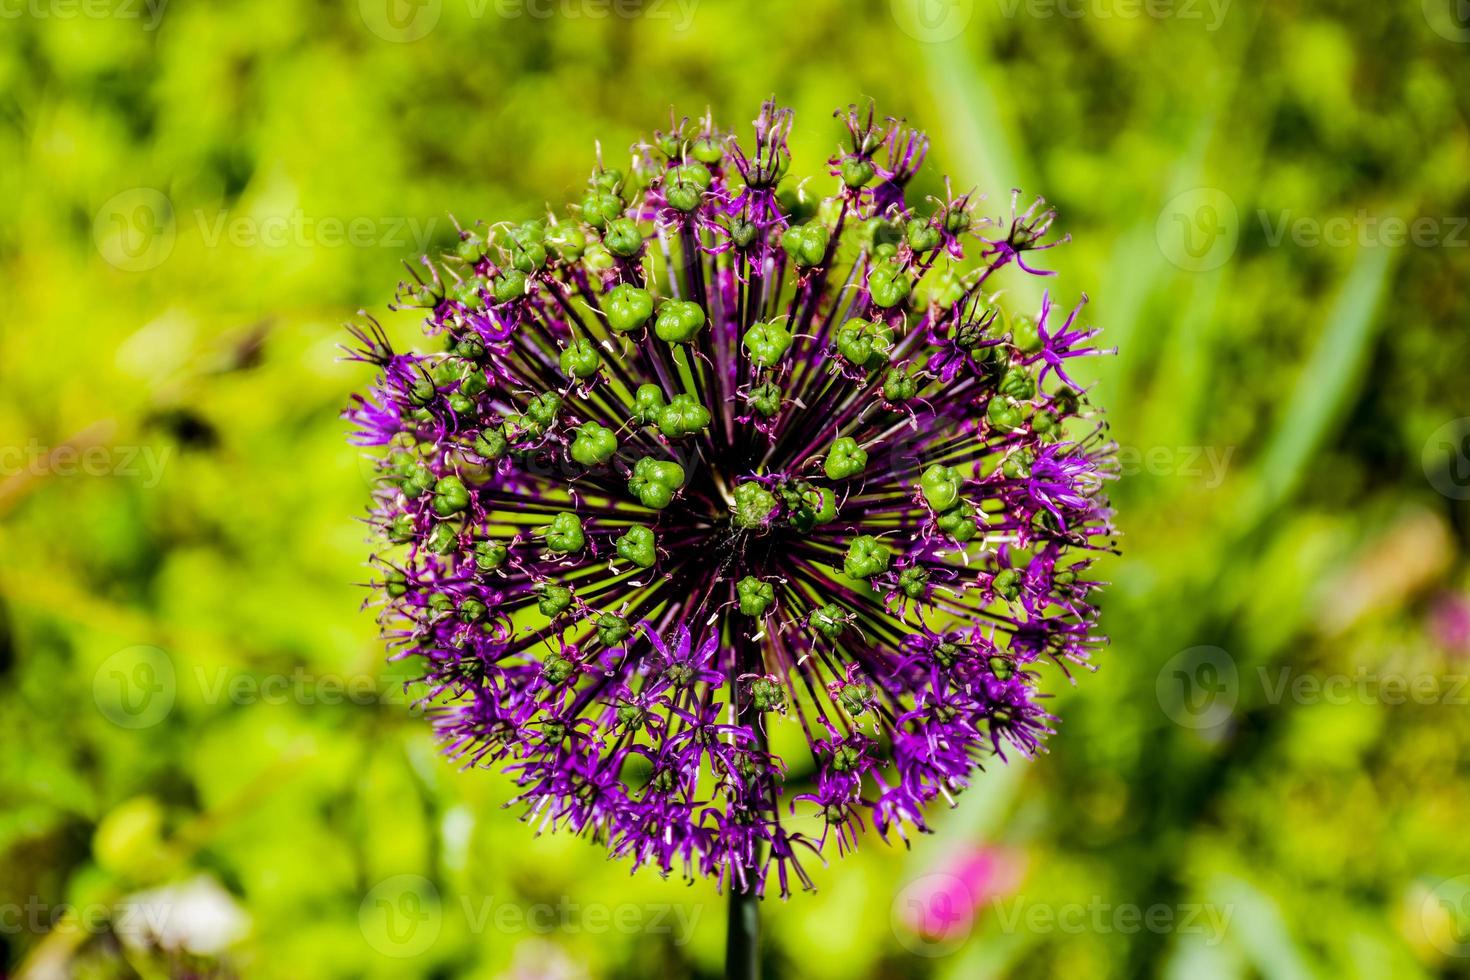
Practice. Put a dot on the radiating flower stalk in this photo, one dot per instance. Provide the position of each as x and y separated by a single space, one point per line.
730 521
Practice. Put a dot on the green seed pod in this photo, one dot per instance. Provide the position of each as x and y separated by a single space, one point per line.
544 408
957 220
831 620
565 533
944 289
401 529
418 481
450 496
448 371
594 445
864 343
627 308
581 360
442 539
396 583
638 545
612 629
468 292
422 392
1003 414
654 482
941 487
884 235
608 179
684 416
491 443
1007 583
845 459
683 197
1066 401
623 238
566 242
708 150
743 233
473 383
914 582
810 506
855 698
754 505
798 203
888 284
767 695
899 384
1026 335
1018 384
857 171
490 555
472 610
648 404
557 670
554 601
866 557
600 208
527 257
755 597
766 343
679 321
471 247
921 235
959 523
765 400
684 186
1017 466
597 260
509 286
806 244
469 345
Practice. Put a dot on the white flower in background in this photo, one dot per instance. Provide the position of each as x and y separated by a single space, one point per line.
196 916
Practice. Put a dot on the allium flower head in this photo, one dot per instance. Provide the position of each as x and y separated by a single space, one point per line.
728 520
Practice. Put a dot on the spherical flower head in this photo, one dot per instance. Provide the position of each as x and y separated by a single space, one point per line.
704 459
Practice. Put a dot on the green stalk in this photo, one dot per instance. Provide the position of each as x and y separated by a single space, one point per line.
742 942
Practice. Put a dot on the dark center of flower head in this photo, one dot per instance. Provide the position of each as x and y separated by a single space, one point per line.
703 458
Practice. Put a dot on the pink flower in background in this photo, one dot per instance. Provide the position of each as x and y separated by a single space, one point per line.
1449 623
942 906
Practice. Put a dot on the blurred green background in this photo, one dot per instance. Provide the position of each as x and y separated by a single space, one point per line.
1266 778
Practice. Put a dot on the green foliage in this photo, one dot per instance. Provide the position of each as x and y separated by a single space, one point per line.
193 198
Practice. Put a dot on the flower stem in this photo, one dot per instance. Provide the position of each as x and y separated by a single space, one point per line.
743 935
742 943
